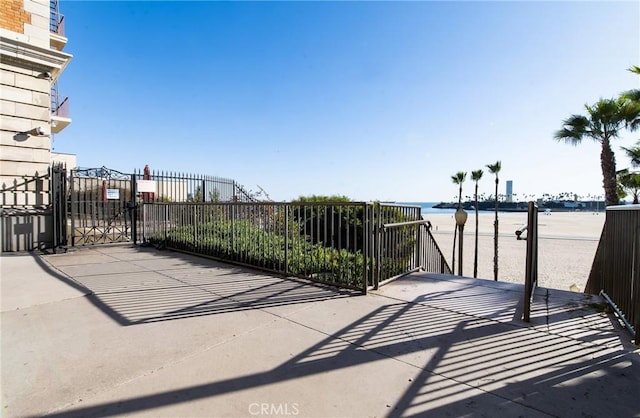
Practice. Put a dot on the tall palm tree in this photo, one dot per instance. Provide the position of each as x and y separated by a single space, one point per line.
604 121
476 176
458 179
495 169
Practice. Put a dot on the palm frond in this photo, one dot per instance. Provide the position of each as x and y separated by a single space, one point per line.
633 95
633 154
494 168
476 175
607 112
634 69
629 183
574 129
459 177
630 111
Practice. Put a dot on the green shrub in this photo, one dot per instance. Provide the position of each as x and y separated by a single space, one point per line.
245 242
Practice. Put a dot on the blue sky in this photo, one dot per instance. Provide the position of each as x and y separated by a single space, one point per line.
373 100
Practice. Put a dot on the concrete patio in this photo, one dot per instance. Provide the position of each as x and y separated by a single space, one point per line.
124 330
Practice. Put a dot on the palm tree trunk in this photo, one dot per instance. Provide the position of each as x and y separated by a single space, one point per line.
475 254
495 238
608 164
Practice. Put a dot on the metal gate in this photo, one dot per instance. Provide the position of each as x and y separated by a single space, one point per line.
58 189
102 207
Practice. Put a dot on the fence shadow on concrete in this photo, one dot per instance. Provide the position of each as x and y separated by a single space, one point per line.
134 285
464 365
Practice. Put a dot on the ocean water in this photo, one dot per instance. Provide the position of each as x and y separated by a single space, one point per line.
428 207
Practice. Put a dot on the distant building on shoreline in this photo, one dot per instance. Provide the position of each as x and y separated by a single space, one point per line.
509 190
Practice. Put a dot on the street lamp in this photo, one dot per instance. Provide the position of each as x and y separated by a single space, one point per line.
461 219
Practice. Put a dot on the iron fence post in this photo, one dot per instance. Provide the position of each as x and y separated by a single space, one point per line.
53 204
134 210
364 248
419 246
377 245
286 238
372 245
233 229
166 222
72 202
195 226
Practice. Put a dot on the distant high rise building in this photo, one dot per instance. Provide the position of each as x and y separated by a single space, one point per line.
509 190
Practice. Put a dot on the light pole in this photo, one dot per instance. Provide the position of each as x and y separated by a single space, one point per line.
461 219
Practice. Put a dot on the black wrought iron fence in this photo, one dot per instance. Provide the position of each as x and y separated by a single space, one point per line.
431 258
28 193
616 268
169 186
406 247
25 213
100 206
342 244
327 243
58 187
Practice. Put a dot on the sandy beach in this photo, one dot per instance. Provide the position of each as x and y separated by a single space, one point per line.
567 246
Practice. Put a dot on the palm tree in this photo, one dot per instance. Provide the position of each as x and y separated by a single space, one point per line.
458 179
476 176
495 169
633 96
603 123
629 184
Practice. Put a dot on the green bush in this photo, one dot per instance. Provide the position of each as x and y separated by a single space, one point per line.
245 242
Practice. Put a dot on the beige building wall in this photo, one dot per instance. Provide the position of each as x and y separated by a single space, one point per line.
171 190
28 66
69 160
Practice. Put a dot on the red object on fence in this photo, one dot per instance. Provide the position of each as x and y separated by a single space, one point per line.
146 196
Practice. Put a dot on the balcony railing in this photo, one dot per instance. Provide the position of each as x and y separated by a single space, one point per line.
60 118
58 38
57 24
56 20
62 110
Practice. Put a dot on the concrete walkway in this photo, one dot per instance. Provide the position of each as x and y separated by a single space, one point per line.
121 330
